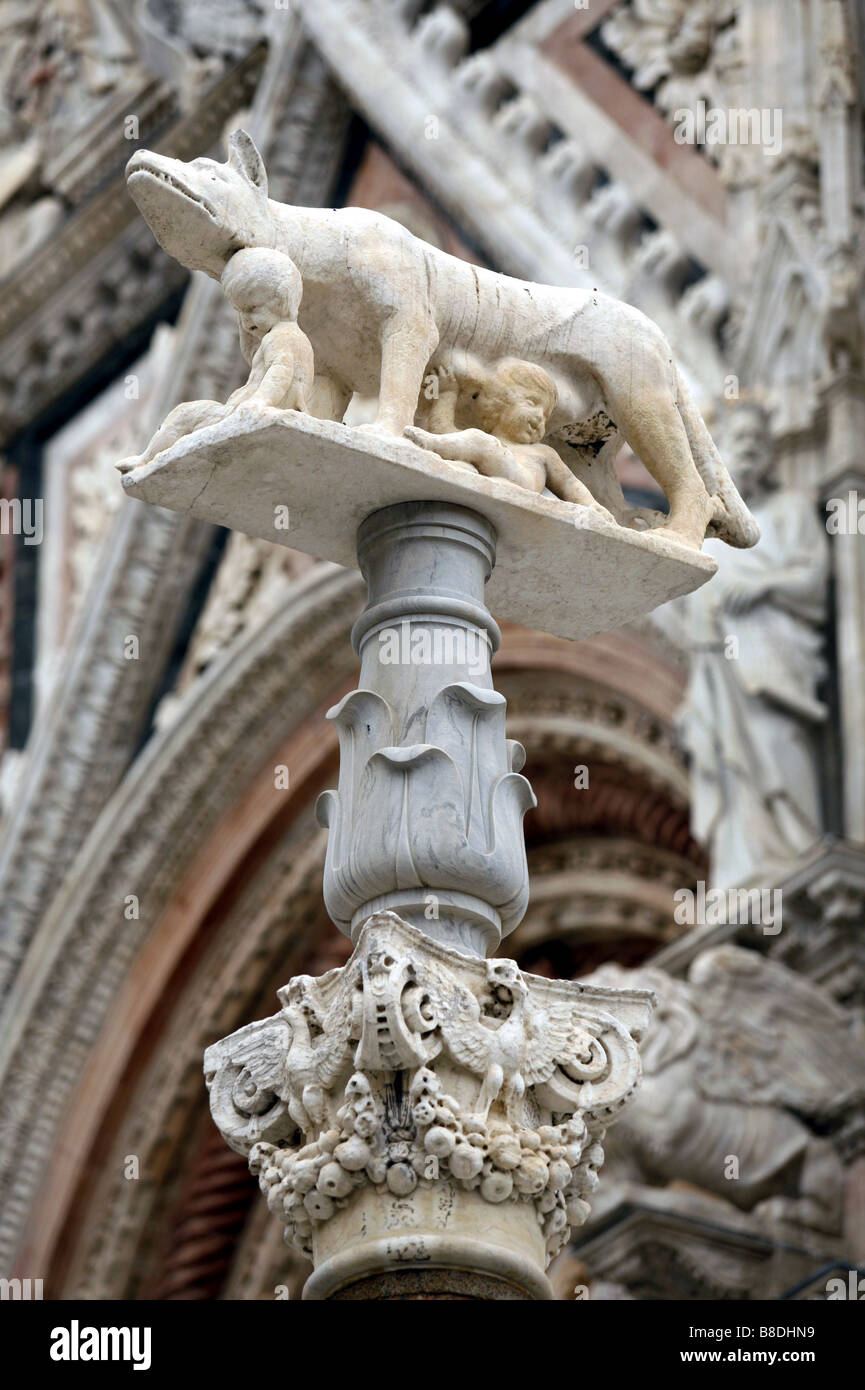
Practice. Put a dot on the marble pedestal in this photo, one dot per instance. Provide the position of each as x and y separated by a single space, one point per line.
425 1121
559 567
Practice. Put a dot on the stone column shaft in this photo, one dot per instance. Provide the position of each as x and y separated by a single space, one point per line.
427 820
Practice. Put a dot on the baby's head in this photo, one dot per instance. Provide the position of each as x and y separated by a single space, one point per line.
264 286
517 400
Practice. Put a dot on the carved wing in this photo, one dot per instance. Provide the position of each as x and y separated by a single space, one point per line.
675 1026
583 1054
772 1036
468 1041
559 1036
244 1075
333 1050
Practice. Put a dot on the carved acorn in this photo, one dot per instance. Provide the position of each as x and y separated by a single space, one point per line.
577 1210
293 1209
423 1113
353 1153
275 1199
497 1187
505 1150
259 1154
466 1161
401 1179
440 1141
366 1124
532 1174
560 1173
319 1205
376 1169
305 1175
334 1181
556 1222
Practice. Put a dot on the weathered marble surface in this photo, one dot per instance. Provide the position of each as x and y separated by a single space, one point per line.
419 1106
384 311
561 567
744 1061
427 820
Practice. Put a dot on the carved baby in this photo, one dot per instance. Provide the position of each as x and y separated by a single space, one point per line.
265 288
512 403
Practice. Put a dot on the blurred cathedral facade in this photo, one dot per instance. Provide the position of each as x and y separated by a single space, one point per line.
158 882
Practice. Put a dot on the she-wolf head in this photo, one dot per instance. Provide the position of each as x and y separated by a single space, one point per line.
202 211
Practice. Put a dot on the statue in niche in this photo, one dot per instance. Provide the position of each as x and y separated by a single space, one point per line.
265 288
755 635
512 403
382 308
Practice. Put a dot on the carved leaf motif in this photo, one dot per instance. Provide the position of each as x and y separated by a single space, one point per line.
448 812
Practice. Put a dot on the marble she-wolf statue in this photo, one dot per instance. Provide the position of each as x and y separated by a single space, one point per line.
382 308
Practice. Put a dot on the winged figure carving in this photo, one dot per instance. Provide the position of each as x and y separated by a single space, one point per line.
523 1032
744 1059
269 1079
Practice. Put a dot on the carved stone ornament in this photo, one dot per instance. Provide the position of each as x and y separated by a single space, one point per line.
422 1106
424 1109
523 368
744 1058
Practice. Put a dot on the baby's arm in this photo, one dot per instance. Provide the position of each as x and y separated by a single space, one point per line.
562 482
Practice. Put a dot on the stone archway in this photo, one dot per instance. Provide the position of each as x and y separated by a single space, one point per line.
228 874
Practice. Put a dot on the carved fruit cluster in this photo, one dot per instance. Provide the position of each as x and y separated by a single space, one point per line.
555 1167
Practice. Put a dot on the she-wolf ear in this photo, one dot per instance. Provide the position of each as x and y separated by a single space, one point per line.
244 157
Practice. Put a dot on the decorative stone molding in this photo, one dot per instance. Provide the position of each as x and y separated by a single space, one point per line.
416 1080
153 828
150 560
683 1245
97 276
824 907
675 49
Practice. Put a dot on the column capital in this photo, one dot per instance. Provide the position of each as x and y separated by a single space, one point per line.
421 1107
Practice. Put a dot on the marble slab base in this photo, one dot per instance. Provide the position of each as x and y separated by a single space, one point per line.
560 567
